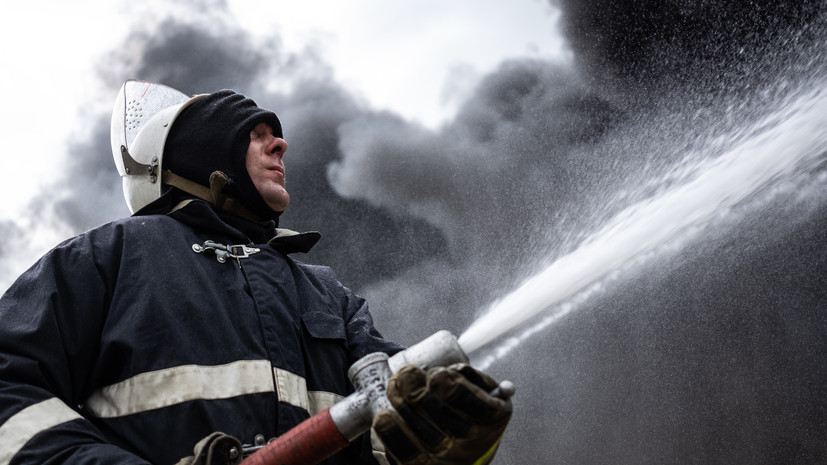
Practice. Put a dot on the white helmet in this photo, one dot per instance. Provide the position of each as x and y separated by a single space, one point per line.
141 120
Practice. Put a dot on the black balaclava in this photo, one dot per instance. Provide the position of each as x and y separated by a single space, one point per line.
213 135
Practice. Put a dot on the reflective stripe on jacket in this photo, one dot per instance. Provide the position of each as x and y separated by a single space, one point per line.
126 344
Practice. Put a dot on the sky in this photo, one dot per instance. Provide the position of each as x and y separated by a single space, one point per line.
450 150
59 47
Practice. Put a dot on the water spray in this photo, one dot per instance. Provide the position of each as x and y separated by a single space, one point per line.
775 150
332 429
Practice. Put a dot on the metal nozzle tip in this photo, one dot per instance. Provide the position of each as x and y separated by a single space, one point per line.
505 390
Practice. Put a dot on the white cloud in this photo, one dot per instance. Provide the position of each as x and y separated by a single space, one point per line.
401 55
49 51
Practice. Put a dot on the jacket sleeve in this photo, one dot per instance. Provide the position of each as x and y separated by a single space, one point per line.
362 336
50 324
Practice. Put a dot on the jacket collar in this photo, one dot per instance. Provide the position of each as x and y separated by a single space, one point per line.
200 215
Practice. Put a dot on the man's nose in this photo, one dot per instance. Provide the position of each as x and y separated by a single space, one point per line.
277 146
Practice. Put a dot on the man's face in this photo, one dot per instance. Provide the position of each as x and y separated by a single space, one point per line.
265 167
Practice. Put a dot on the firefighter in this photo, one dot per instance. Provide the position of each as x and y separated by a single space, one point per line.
171 335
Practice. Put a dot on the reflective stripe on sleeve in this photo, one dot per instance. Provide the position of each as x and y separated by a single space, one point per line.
292 388
320 400
25 424
378 449
171 386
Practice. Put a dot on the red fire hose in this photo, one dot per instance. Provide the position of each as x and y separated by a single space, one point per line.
294 448
332 429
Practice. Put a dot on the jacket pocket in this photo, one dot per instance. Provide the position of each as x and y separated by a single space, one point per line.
325 352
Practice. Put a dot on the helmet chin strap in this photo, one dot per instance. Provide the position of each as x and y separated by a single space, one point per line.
212 194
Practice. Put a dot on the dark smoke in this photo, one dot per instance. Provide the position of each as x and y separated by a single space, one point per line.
719 354
659 46
716 355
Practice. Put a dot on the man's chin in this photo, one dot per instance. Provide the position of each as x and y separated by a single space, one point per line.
280 205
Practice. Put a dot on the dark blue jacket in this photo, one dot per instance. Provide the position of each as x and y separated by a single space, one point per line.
129 343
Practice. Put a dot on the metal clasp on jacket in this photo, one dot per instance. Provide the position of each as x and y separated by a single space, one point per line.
249 449
222 252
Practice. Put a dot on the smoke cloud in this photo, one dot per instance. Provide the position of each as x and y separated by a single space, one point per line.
715 355
679 45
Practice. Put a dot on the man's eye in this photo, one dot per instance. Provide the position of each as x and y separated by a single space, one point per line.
260 133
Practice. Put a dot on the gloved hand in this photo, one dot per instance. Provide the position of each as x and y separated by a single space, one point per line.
443 417
216 449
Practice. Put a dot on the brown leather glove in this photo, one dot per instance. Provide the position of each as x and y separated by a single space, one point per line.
216 449
446 416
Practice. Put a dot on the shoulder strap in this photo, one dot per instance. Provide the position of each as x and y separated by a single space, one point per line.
211 194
